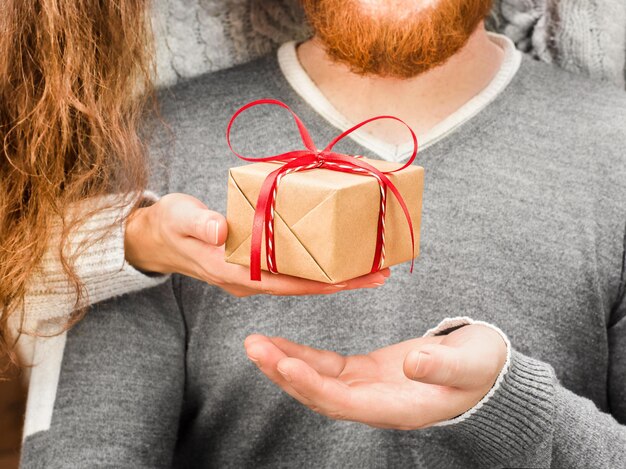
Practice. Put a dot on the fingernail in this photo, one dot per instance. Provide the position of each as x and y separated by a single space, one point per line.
255 360
422 358
374 285
387 273
285 375
213 230
340 285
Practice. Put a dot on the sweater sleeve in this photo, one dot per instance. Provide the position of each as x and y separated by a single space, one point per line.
102 267
530 420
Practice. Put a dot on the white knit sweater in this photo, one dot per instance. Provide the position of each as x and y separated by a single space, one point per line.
102 267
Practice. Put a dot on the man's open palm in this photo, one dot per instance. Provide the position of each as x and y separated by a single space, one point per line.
409 385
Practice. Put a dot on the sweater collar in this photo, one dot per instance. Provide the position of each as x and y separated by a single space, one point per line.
302 84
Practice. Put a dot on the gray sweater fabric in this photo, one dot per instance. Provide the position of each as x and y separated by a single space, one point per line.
587 37
523 227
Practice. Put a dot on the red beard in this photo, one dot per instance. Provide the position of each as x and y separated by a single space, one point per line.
389 44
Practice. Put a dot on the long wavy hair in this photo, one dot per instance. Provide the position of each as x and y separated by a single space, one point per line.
74 78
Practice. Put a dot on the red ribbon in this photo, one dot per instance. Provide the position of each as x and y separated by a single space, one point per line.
308 159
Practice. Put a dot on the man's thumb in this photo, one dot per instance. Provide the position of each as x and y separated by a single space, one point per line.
443 365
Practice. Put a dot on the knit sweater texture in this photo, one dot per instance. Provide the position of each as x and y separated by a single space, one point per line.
195 37
523 227
97 245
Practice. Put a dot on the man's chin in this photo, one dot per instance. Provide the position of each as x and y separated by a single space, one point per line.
374 44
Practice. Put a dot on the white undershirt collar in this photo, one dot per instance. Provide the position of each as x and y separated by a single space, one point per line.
302 84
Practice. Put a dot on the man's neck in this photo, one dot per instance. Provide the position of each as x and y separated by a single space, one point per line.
422 101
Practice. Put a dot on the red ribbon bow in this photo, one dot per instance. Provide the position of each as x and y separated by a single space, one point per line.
312 158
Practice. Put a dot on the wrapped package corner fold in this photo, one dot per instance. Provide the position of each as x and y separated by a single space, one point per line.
325 221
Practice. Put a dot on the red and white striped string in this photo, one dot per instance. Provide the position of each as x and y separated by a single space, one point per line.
270 254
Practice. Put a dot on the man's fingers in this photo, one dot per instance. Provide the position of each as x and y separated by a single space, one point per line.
327 396
324 362
266 356
338 400
253 338
306 381
445 366
321 394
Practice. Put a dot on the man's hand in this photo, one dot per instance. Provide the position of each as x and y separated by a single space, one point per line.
180 234
406 386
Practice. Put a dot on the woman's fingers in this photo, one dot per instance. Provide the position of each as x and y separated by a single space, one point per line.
286 285
195 234
278 284
212 268
373 280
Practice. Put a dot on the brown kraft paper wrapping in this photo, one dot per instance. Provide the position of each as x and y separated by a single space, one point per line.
325 221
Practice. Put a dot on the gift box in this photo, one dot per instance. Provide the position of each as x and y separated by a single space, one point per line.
324 216
325 221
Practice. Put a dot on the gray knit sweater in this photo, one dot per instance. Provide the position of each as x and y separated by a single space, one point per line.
523 227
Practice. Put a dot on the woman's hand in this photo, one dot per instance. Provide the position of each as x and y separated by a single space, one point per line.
406 386
180 234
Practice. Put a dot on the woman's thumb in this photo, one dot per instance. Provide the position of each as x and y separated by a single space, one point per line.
444 366
209 226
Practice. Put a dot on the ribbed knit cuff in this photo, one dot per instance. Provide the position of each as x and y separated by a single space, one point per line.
102 267
516 423
512 424
448 325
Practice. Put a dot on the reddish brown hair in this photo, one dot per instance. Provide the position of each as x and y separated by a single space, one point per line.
394 44
73 77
